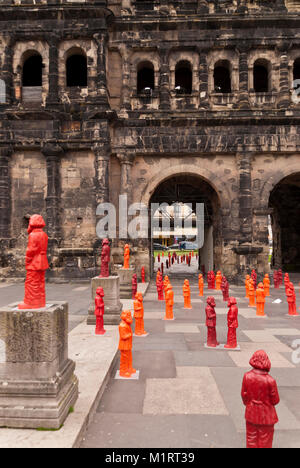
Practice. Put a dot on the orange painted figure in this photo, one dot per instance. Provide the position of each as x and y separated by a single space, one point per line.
138 307
36 264
169 302
201 284
251 292
166 282
126 257
218 280
247 285
187 294
125 345
267 285
260 300
291 298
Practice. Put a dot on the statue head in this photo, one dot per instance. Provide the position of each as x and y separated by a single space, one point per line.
260 286
100 292
231 301
126 316
36 222
105 241
211 301
261 361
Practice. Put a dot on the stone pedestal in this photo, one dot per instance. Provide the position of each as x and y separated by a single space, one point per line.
37 382
113 306
126 282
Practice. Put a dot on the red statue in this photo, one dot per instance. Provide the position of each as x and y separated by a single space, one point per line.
291 298
36 265
126 257
99 312
134 285
211 280
254 278
260 300
162 268
187 294
225 288
169 302
276 280
105 259
143 274
280 276
158 258
232 322
125 345
211 322
139 315
167 263
160 288
260 396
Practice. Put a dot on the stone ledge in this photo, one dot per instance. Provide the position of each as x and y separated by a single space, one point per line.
95 357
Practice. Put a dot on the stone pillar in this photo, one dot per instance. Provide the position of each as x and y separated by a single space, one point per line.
245 198
203 80
243 99
53 96
53 154
102 158
126 92
7 71
164 79
284 85
101 81
5 195
126 161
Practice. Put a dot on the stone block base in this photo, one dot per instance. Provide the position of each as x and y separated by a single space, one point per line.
113 306
37 382
125 282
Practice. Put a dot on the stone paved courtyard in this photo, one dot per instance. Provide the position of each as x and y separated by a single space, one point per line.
189 396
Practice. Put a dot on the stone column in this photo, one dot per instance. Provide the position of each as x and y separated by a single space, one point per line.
245 197
101 81
126 104
102 158
243 99
126 161
53 154
5 195
164 79
53 97
7 71
284 87
203 80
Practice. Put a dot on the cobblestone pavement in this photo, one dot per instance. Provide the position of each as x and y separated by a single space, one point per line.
189 396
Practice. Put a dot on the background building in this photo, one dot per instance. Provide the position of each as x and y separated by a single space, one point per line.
186 101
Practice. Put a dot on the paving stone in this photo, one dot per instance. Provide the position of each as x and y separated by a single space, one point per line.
113 400
203 358
181 328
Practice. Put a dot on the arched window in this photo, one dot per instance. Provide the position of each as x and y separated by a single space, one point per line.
183 77
222 77
76 70
261 81
2 92
296 69
32 71
145 78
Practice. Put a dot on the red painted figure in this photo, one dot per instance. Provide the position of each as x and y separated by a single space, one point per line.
143 274
291 299
260 396
99 312
225 288
211 322
105 259
134 285
280 276
213 280
139 315
160 288
169 302
260 300
232 322
36 265
254 278
158 258
125 345
276 280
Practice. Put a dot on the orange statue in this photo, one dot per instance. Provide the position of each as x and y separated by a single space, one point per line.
169 302
138 307
36 265
247 286
166 282
260 300
187 294
218 280
251 293
267 284
125 345
201 284
126 257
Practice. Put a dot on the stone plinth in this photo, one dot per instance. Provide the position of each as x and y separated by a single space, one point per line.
113 306
126 282
37 382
